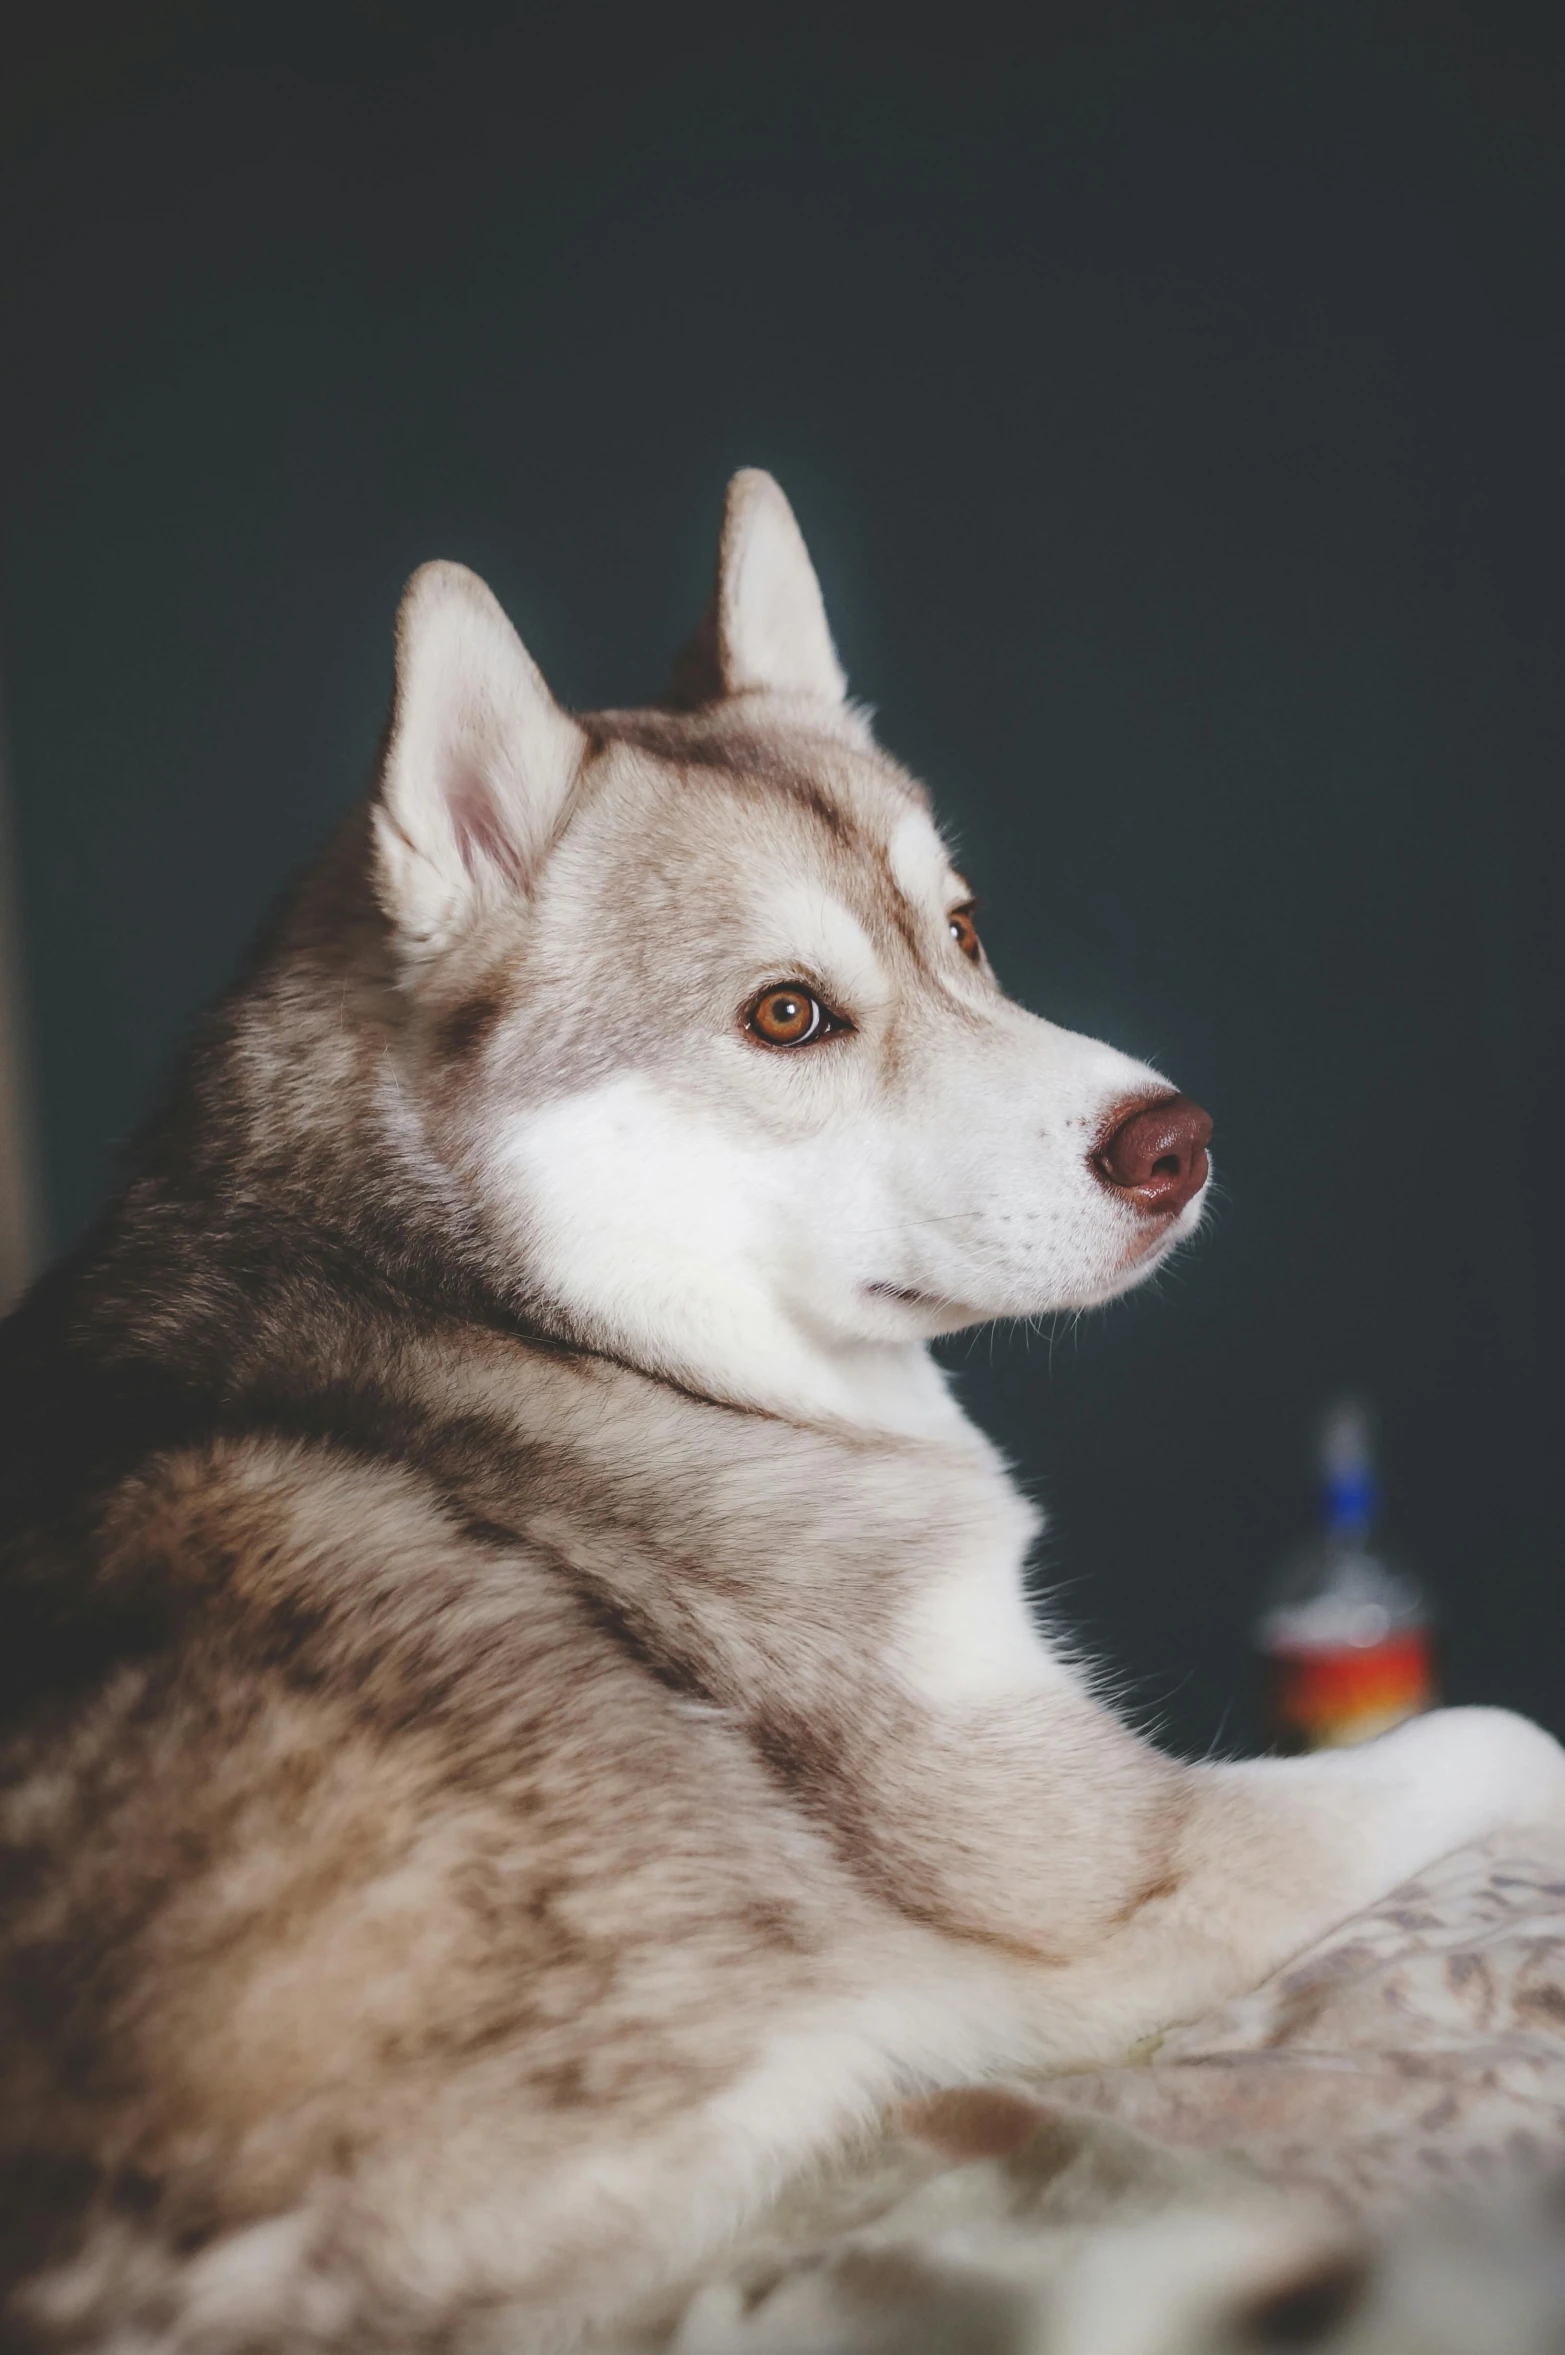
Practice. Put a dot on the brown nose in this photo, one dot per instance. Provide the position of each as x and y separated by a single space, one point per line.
1157 1154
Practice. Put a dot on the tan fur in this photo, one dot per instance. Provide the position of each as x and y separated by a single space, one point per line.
489 1791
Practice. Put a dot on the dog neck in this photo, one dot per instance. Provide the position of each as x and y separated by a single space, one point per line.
751 1356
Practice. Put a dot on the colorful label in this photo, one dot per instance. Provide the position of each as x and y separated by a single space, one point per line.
1325 1699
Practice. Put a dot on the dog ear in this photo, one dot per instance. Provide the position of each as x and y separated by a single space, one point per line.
479 762
764 629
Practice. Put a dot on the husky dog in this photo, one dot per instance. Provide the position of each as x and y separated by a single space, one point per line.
522 1724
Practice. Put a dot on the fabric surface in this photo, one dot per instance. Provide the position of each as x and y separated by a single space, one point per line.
1418 2050
1420 2047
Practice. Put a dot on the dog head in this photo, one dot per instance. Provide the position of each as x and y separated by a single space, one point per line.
698 1016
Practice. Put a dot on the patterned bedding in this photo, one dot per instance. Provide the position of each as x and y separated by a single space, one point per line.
1416 2054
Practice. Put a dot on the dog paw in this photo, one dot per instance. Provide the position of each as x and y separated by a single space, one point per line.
1461 1774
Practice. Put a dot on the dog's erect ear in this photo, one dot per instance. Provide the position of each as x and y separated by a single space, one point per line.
764 629
479 762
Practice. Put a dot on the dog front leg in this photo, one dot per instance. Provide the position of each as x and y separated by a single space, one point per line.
1141 1891
1272 1853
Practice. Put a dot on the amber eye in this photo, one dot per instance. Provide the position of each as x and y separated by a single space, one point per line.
787 1017
964 931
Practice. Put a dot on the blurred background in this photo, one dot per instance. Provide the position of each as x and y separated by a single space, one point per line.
1172 398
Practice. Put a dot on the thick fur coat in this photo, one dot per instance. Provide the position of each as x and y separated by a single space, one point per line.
521 1720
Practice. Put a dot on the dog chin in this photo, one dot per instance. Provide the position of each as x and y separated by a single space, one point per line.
1141 1263
931 1315
926 1312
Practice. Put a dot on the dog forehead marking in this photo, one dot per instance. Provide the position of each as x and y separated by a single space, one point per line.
811 924
918 861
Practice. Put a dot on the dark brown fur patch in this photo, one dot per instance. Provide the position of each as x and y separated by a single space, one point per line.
975 2121
461 1033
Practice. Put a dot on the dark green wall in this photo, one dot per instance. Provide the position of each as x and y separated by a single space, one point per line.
1174 405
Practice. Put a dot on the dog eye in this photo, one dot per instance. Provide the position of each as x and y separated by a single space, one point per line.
964 931
788 1017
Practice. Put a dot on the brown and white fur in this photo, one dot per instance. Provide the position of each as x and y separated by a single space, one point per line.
522 1723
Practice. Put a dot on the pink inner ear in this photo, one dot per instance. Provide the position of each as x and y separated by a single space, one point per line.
479 831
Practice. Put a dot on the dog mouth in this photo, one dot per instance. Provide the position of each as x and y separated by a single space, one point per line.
1160 1237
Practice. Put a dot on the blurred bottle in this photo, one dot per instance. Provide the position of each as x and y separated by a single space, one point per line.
1344 1634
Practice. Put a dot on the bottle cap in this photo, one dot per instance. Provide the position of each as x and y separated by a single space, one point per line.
1347 1461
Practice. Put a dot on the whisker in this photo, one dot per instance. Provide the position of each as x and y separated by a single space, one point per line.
933 1218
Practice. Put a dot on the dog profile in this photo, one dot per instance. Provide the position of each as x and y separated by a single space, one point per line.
522 1722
